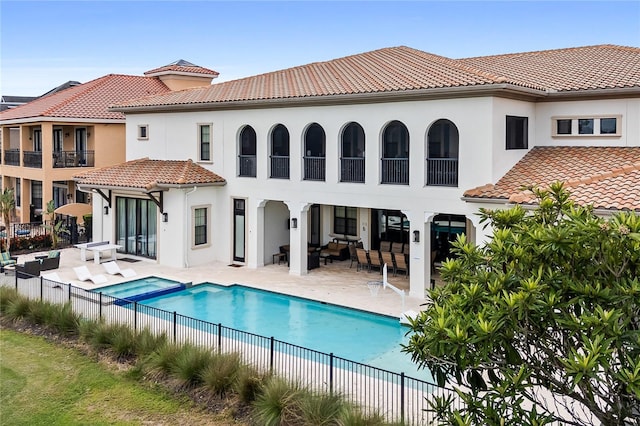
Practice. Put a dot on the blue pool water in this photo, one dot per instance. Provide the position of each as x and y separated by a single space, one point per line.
347 333
141 288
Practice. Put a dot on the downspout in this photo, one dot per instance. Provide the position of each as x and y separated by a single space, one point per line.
187 235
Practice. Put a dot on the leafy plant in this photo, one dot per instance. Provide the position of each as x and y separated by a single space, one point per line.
56 228
221 374
7 205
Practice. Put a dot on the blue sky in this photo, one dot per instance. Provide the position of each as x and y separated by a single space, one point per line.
46 43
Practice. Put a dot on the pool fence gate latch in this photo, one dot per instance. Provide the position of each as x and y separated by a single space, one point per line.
374 287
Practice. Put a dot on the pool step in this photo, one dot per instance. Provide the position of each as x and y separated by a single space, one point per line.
149 295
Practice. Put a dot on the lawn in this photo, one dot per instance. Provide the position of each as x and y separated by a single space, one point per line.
45 384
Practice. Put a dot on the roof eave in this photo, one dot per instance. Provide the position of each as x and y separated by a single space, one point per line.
29 120
485 200
501 90
615 92
86 187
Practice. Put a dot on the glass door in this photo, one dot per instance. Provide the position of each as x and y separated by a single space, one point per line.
136 226
238 230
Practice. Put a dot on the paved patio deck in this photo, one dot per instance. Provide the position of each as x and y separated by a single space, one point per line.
335 282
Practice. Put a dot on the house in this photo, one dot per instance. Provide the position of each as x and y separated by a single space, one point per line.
394 146
46 141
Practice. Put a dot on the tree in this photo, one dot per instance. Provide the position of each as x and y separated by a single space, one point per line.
7 204
540 325
56 228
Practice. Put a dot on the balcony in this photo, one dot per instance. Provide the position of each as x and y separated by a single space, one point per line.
352 169
12 157
279 167
314 168
32 159
395 171
247 165
63 159
442 171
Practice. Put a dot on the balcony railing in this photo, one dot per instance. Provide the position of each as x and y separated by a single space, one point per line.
442 171
32 159
247 165
62 159
12 157
279 167
314 168
395 170
352 169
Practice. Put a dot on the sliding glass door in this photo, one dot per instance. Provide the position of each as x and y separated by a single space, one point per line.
136 221
238 230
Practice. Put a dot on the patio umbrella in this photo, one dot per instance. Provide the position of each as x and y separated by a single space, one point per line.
76 210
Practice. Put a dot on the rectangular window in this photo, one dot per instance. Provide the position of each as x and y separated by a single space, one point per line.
585 126
608 126
143 132
204 142
36 194
200 226
18 190
563 127
82 197
37 140
57 140
345 220
517 132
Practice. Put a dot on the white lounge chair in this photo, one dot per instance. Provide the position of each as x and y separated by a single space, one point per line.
112 268
83 274
53 276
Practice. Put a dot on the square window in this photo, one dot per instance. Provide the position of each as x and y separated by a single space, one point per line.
143 131
608 126
563 127
517 132
585 126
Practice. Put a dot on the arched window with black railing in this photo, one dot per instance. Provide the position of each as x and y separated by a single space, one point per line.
442 154
314 153
247 157
279 152
352 153
395 154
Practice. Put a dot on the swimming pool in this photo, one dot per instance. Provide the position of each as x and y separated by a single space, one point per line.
140 289
356 335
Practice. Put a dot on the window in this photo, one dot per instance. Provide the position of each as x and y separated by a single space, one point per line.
36 194
352 156
204 142
200 232
345 220
17 193
395 154
82 197
280 152
37 140
247 158
442 153
517 132
143 132
314 153
587 126
57 140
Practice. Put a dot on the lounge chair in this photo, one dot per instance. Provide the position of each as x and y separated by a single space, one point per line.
83 274
401 264
387 258
374 260
363 260
112 268
53 277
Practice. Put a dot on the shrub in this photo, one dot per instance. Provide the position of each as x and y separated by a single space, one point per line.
320 409
7 295
278 404
41 313
221 375
87 329
162 360
18 308
353 416
65 321
190 362
147 342
249 384
123 341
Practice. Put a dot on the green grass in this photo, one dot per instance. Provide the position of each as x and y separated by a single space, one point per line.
45 384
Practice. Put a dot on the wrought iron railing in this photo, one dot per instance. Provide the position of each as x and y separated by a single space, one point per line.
12 157
32 159
314 168
280 167
397 397
395 170
247 165
352 169
442 171
63 159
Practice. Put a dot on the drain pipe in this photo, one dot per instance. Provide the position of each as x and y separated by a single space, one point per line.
187 234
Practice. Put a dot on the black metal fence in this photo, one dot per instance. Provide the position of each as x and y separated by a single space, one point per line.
397 397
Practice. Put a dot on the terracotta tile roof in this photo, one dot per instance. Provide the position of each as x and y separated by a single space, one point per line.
89 100
579 68
606 177
183 67
402 69
149 174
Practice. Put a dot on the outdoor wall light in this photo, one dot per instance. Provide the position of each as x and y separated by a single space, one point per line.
165 217
416 236
294 223
106 210
66 135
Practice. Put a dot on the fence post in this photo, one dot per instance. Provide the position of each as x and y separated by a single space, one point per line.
401 398
219 337
100 308
69 286
271 351
16 279
135 316
331 373
41 289
175 326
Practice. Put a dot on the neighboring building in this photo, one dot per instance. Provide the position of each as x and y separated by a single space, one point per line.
381 146
46 141
8 102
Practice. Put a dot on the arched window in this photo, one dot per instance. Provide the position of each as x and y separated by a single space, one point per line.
280 152
442 154
395 154
352 154
247 157
314 149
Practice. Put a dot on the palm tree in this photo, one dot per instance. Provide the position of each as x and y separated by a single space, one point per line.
7 204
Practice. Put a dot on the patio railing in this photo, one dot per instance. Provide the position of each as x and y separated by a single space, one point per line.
395 170
279 167
397 397
442 171
314 168
32 159
247 165
12 157
352 169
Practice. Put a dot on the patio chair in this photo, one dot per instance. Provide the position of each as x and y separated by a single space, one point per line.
363 259
374 260
387 257
385 245
401 263
83 274
353 255
6 259
112 268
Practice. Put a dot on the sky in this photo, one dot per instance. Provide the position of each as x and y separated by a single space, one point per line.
46 43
